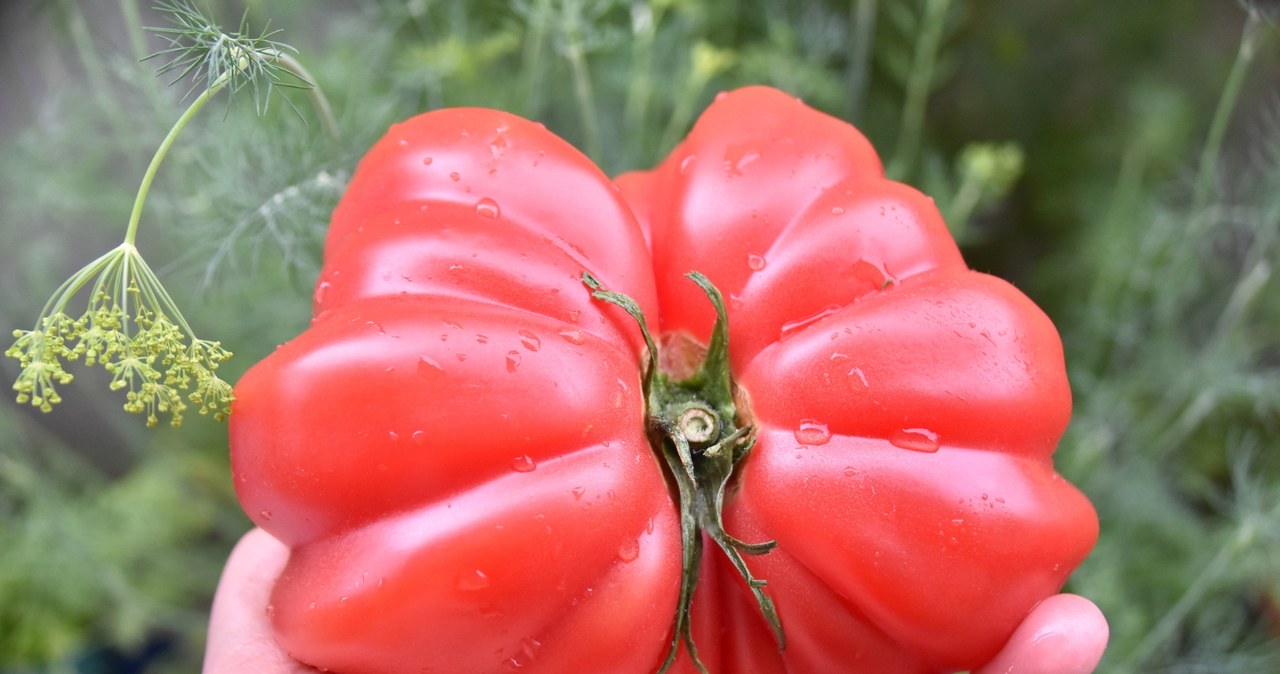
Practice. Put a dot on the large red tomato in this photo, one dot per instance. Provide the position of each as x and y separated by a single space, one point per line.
461 454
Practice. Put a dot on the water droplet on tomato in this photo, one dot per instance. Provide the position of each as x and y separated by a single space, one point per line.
530 340
837 211
850 471
426 161
419 437
791 328
915 439
528 653
524 464
513 361
629 550
428 367
321 290
737 160
857 375
812 432
271 610
266 515
311 606
455 176
687 162
342 601
498 146
487 208
578 492
572 336
755 262
395 437
403 143
473 580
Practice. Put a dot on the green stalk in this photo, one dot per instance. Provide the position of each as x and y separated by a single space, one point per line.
534 46
131 233
133 23
693 426
94 72
586 100
928 44
645 19
862 19
577 58
318 100
1159 636
1249 40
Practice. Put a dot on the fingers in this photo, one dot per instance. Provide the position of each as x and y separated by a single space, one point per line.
1064 634
240 638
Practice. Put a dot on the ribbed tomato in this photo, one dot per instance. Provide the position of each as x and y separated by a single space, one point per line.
478 466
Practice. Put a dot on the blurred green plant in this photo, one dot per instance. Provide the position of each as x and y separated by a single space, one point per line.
1071 145
1176 365
91 560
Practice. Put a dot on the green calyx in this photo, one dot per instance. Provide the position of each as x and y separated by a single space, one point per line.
693 425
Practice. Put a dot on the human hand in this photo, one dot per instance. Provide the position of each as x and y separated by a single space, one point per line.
240 638
1064 634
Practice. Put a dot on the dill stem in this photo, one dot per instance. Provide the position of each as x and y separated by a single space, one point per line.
574 49
644 27
157 296
1210 574
131 234
582 91
918 86
962 207
682 114
132 23
863 19
57 302
94 71
534 46
1226 105
318 100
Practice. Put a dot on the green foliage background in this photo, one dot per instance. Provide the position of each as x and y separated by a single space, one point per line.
1068 142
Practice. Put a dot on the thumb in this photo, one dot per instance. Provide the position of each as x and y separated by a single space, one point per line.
240 637
1064 634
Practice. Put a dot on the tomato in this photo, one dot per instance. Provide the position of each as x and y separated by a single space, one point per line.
467 456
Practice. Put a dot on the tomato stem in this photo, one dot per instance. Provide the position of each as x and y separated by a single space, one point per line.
693 425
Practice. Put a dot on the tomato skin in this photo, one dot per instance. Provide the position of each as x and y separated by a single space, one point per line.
907 408
456 449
